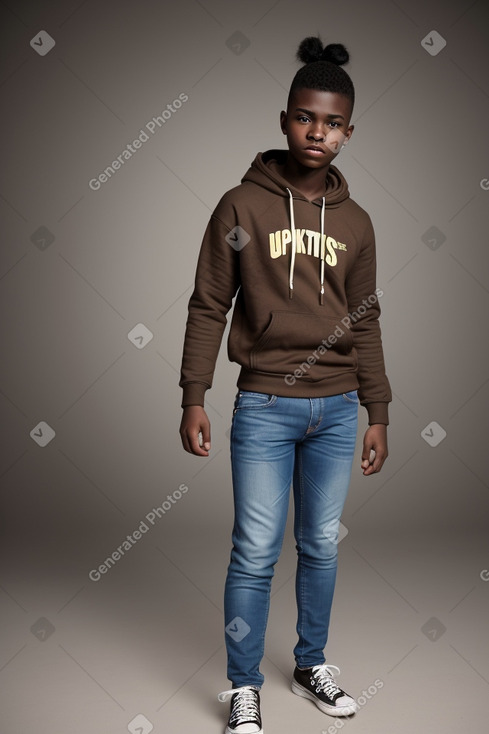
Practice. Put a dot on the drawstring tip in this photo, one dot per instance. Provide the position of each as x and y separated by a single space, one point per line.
290 292
321 299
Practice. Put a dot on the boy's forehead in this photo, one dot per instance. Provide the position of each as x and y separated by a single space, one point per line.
320 102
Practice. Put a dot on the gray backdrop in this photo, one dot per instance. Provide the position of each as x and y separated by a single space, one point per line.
95 276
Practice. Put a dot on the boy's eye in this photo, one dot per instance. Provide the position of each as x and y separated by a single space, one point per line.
332 123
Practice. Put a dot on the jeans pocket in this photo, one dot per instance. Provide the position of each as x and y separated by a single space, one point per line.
351 397
248 400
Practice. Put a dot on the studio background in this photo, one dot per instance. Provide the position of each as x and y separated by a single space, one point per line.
95 277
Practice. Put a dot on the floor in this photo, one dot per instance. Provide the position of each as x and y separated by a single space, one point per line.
141 649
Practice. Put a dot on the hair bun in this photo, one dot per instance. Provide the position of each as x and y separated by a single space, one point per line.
311 49
336 53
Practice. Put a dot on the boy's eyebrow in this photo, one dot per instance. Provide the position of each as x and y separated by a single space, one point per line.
311 114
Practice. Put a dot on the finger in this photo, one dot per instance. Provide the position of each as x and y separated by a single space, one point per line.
195 445
376 465
368 456
206 436
186 443
191 443
380 457
367 468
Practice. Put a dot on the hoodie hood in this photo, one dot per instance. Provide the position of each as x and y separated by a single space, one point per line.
262 172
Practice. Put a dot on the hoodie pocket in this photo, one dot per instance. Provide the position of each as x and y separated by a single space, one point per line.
309 346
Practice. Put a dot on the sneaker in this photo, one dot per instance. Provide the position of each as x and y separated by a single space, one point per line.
244 716
317 684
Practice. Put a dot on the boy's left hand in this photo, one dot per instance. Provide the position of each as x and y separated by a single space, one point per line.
375 440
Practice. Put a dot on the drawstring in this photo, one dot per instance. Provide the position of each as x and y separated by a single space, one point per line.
321 254
292 256
294 247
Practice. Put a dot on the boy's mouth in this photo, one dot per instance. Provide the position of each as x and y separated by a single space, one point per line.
315 149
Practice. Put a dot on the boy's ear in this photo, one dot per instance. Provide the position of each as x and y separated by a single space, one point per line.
283 122
349 133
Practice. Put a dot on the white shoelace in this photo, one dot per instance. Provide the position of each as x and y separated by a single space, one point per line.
245 705
324 681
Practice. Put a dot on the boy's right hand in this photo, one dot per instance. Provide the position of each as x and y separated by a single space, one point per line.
195 422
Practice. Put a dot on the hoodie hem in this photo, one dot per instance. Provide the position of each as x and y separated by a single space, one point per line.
292 387
378 412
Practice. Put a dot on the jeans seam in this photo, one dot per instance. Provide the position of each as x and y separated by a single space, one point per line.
301 537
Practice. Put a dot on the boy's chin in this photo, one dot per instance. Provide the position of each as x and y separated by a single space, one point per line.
314 164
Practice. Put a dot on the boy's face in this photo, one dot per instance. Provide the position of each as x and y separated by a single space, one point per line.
316 124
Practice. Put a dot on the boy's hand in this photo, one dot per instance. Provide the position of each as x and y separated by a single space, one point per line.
195 422
375 440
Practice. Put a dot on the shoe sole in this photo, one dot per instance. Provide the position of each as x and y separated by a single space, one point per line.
324 707
233 731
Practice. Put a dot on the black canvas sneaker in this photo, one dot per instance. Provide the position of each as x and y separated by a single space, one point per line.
244 716
317 684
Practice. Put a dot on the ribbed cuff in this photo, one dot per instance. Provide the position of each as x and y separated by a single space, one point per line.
378 413
193 393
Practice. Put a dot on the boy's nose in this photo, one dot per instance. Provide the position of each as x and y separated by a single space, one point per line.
317 136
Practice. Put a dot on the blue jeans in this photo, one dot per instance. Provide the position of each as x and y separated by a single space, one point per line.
276 442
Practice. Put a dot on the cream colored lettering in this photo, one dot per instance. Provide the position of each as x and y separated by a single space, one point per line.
312 242
275 244
286 238
331 258
299 241
307 242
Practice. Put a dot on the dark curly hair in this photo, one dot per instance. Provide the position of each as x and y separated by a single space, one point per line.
322 68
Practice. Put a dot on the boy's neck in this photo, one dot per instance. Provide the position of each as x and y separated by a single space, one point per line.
311 182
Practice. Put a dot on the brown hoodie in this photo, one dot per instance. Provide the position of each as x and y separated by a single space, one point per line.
305 320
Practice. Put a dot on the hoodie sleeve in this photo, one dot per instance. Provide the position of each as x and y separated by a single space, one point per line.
364 310
216 283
